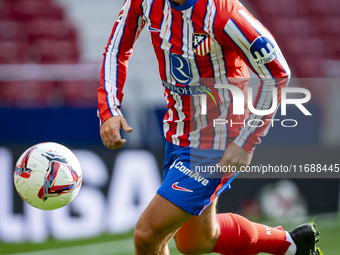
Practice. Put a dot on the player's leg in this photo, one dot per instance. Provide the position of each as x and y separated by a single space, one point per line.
238 235
200 233
157 225
229 234
233 234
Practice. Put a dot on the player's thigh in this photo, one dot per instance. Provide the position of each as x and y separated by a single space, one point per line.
200 229
160 220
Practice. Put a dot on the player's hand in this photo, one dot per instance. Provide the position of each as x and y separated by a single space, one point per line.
235 156
110 132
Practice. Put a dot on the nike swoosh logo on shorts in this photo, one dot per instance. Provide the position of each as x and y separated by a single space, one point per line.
176 187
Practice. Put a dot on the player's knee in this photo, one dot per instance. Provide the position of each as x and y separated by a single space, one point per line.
143 238
189 246
185 248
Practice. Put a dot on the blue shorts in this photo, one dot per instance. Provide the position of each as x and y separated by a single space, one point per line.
183 185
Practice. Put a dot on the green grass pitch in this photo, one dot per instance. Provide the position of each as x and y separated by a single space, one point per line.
122 244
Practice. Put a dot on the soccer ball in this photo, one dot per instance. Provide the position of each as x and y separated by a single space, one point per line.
48 176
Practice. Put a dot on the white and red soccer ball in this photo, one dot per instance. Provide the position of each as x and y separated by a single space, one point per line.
48 176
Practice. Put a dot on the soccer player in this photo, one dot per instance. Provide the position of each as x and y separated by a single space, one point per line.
204 49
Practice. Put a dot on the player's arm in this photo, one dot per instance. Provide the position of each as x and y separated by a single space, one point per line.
259 50
124 34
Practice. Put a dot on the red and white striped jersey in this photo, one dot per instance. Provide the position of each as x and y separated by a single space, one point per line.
198 44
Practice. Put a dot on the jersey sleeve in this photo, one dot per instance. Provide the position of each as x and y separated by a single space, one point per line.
259 50
125 32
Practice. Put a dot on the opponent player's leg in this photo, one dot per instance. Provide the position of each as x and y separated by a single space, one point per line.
157 225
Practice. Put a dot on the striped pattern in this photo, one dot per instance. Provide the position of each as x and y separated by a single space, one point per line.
215 40
274 74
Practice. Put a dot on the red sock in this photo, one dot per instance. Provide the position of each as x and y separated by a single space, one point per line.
240 236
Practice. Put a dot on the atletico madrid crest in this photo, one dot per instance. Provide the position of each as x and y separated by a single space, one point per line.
201 44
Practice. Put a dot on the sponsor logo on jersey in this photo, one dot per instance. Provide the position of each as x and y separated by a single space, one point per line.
194 90
263 50
179 165
211 92
180 69
176 187
201 44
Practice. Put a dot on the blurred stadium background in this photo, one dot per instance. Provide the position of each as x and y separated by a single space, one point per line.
50 58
